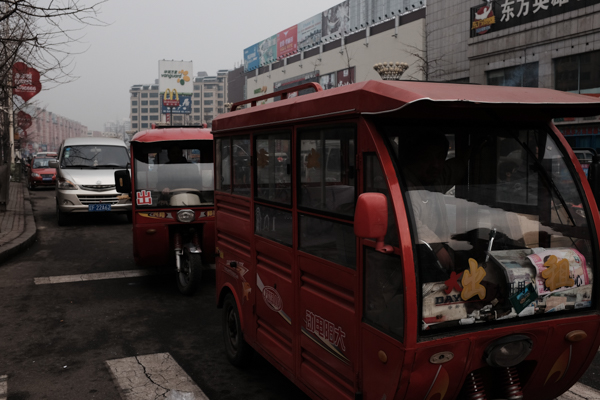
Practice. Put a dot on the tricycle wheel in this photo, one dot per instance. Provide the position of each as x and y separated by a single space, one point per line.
239 353
188 278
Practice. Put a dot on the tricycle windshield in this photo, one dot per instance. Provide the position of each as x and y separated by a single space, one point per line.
500 226
173 174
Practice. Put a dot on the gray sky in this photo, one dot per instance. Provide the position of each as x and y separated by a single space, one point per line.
212 34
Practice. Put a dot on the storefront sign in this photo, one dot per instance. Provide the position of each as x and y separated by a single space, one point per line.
503 14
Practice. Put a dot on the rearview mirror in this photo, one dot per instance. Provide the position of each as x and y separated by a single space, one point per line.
371 219
122 181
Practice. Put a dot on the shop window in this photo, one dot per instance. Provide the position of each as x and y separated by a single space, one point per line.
273 170
578 73
525 75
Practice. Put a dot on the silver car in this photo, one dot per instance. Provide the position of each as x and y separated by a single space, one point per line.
85 180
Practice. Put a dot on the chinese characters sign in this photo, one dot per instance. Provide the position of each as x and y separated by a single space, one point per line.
26 81
505 14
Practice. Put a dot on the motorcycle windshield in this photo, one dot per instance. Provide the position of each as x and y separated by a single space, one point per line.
174 174
500 227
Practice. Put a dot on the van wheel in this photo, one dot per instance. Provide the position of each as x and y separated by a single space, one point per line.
189 277
238 352
61 217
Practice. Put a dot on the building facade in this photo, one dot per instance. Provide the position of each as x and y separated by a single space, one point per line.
349 58
47 131
208 101
535 43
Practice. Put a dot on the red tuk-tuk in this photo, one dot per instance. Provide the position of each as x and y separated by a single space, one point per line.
408 240
172 189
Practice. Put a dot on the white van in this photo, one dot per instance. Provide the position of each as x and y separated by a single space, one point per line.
85 177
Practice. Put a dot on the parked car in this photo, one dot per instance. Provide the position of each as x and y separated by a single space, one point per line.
41 174
85 177
47 154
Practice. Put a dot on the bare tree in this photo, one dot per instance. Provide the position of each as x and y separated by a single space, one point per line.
428 67
38 33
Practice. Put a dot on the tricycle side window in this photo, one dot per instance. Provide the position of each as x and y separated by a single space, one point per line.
174 174
499 221
233 165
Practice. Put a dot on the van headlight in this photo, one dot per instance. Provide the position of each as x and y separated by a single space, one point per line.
508 351
66 184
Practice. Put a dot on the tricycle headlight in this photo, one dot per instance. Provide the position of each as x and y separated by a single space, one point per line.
185 215
66 184
508 351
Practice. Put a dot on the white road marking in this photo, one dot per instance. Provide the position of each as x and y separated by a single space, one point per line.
98 276
153 376
3 387
579 391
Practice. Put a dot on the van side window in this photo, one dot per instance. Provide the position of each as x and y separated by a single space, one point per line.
232 160
326 169
273 171
327 192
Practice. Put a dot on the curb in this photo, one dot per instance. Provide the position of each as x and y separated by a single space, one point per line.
27 237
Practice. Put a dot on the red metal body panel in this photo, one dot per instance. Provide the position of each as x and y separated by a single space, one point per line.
286 297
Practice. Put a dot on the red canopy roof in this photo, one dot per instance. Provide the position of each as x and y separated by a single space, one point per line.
374 97
172 134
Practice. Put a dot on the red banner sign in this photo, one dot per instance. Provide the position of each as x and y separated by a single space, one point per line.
26 81
23 120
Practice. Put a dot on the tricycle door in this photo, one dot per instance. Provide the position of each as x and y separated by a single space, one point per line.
383 300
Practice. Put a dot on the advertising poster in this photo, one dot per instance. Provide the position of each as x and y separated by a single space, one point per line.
346 77
328 81
184 107
251 58
336 20
287 42
175 84
309 32
267 51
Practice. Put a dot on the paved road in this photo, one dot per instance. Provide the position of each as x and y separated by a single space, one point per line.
78 339
80 321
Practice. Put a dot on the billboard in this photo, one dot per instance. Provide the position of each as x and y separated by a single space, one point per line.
309 32
287 42
251 61
267 51
336 20
175 85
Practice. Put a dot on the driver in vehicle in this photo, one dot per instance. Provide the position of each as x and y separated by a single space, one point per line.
166 179
428 177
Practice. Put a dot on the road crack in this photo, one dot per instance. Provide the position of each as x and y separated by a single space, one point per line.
167 390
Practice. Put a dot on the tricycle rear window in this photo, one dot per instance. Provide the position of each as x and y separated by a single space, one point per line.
500 227
174 174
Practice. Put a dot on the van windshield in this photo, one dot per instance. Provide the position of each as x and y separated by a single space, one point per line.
94 156
174 174
500 228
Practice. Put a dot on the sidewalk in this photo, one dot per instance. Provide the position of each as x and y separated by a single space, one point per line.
17 225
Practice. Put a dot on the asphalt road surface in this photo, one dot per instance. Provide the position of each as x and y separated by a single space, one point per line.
105 335
79 321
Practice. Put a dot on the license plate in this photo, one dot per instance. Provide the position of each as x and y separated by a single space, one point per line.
99 207
46 179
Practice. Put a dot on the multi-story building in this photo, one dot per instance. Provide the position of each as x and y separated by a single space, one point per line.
48 129
208 100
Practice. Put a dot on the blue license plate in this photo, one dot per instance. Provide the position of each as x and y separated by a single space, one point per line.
98 207
47 179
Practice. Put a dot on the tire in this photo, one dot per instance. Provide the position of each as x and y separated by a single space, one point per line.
189 277
239 353
61 217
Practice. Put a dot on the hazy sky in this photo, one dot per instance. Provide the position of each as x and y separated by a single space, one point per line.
213 34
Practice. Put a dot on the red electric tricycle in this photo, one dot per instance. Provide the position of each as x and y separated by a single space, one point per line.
172 201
